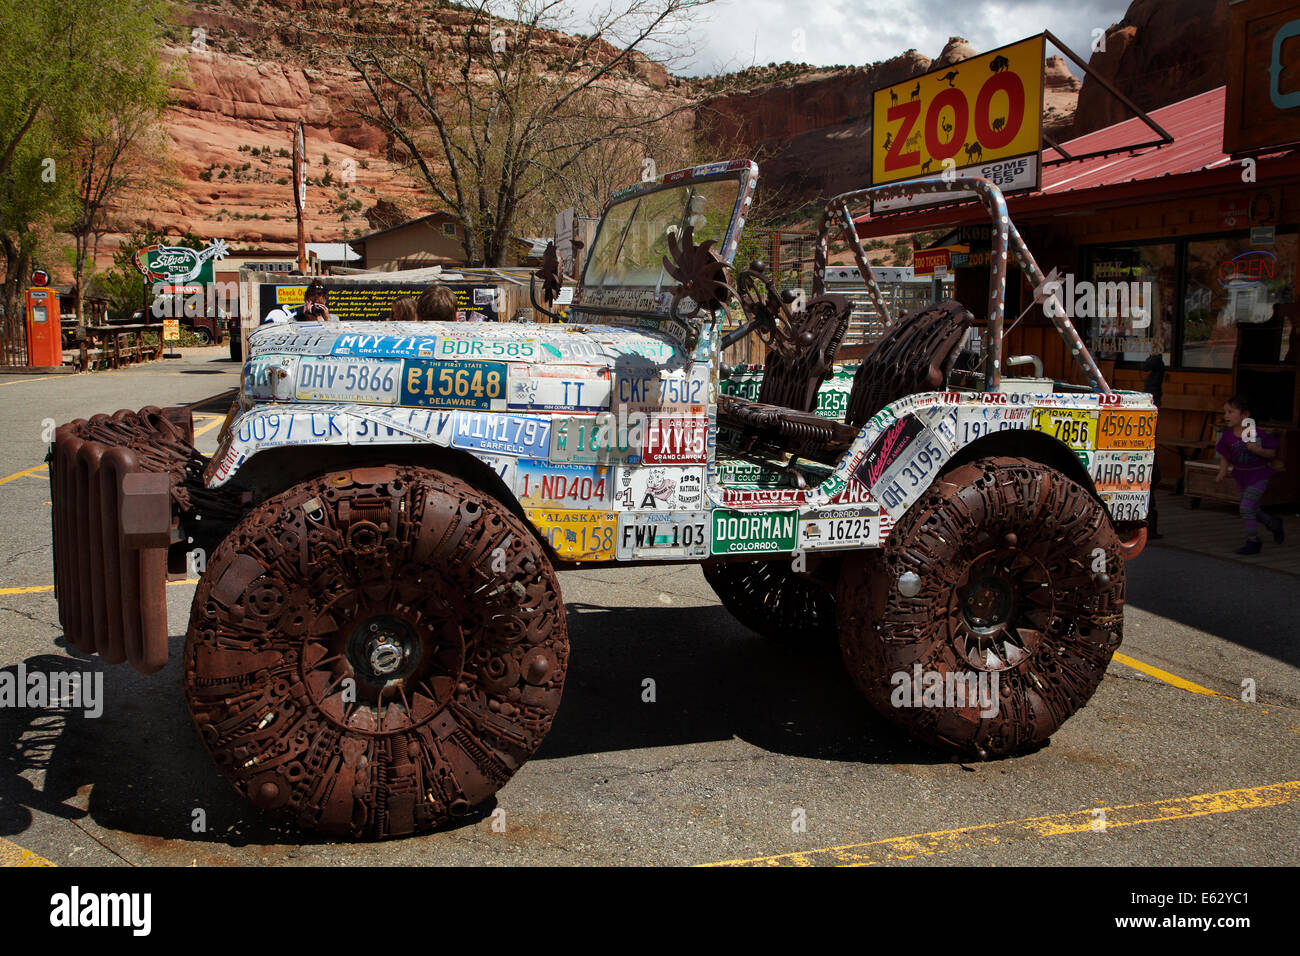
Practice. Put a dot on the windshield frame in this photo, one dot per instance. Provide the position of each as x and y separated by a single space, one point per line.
743 171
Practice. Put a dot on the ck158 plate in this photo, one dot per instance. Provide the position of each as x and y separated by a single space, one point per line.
662 535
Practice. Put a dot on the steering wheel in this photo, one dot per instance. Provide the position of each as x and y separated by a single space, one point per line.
768 313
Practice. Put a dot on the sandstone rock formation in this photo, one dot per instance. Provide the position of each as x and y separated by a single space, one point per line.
1161 52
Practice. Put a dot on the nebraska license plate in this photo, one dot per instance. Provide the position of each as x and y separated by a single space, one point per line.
663 535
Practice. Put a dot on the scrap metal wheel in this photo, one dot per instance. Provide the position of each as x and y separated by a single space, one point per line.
375 650
991 614
773 600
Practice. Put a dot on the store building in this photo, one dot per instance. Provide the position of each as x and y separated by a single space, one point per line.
1179 250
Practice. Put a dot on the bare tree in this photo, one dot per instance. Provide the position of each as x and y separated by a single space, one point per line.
114 156
508 110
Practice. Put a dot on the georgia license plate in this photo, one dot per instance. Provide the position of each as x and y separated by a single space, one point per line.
664 535
329 379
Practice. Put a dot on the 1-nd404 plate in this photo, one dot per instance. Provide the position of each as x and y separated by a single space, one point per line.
331 379
662 535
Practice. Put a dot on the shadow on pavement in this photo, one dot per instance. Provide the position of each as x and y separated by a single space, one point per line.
1250 607
713 680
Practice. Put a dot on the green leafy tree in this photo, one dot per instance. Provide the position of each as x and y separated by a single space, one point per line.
62 67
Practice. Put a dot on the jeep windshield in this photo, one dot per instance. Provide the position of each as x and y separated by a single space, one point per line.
633 237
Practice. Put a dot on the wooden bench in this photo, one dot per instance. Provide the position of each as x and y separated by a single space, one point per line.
1188 449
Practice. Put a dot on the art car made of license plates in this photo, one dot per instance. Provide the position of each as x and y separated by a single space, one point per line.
378 640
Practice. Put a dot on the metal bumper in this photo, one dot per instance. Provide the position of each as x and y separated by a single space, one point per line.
111 482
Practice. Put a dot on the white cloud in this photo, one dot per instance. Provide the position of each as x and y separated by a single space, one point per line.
733 34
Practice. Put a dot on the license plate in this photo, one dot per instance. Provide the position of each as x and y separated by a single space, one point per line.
675 441
368 381
512 350
749 532
1121 470
1127 429
542 483
839 528
577 535
658 488
518 435
1075 427
380 426
595 438
474 385
659 536
562 388
1126 505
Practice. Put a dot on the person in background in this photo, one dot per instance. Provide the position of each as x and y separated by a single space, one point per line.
1154 386
436 304
404 309
315 306
1250 469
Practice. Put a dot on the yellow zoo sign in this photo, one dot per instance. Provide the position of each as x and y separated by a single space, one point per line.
975 113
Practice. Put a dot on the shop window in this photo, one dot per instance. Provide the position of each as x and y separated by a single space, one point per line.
1127 301
1230 283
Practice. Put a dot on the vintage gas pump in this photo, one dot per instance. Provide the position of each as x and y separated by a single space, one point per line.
44 332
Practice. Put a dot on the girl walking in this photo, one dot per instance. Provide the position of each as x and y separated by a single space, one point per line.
1250 469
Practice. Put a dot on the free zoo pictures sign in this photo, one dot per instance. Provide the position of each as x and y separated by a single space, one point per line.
374 302
982 115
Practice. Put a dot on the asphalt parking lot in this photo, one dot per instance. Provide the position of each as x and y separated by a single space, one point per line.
1166 766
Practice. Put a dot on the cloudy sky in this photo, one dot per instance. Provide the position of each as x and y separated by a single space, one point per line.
733 34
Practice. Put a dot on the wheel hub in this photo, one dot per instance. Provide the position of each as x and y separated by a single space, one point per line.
987 604
383 648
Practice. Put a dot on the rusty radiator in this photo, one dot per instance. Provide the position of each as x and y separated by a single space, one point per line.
121 486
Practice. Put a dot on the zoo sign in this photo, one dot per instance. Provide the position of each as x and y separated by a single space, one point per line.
982 115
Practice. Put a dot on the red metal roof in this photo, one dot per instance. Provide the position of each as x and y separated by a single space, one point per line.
1196 124
1192 163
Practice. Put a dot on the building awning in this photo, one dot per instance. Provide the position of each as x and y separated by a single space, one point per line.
1192 164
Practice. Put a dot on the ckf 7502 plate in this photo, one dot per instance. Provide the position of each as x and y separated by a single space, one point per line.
662 535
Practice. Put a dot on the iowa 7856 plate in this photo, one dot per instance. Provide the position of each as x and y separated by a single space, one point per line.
662 535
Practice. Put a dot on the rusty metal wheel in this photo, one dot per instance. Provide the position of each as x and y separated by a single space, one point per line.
771 599
991 614
376 650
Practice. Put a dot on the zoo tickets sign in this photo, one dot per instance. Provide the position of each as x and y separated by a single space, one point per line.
181 269
982 115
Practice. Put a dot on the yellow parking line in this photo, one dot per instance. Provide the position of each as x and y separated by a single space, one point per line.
209 426
1099 820
42 588
21 381
11 854
1167 677
19 474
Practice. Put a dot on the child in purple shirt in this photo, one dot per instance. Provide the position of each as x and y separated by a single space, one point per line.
1250 469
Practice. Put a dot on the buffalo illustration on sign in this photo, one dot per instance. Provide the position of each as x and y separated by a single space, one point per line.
985 116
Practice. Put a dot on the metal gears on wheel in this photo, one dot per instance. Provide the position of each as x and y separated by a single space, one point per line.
375 650
1006 577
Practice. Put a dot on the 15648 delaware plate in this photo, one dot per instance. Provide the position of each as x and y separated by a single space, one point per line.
662 535
454 384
